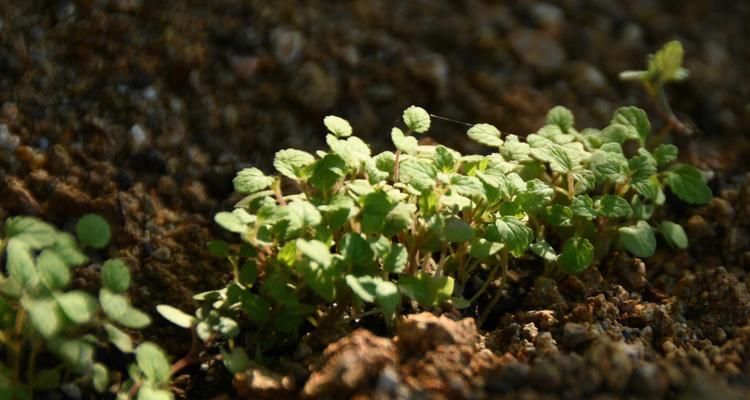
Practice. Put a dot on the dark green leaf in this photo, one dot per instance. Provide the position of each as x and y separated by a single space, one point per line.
93 231
577 255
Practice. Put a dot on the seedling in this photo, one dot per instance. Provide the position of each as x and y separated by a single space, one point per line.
342 233
39 317
663 67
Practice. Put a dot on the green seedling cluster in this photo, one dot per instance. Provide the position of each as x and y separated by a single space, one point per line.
41 318
344 233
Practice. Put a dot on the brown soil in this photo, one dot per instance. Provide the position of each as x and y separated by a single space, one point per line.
142 111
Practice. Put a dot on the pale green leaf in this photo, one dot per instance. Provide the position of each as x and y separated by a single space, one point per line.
338 126
417 119
639 239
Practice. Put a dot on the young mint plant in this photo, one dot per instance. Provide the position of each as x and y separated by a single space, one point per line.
356 234
42 320
663 67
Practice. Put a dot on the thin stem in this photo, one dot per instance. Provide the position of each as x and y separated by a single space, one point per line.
19 326
486 284
395 166
32 364
571 187
499 294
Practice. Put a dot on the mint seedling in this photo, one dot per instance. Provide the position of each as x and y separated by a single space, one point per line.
380 234
41 319
663 67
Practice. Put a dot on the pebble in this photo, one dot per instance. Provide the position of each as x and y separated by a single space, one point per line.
574 335
538 49
137 137
163 254
8 141
287 45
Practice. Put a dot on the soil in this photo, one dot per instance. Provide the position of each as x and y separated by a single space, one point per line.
143 111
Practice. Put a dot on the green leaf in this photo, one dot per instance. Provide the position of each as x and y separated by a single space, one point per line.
251 180
116 275
608 166
147 392
353 150
302 215
375 207
674 234
152 360
406 144
445 158
649 188
256 308
536 196
469 186
45 315
120 339
633 117
338 126
175 316
230 221
248 273
612 206
20 264
355 250
544 250
417 172
79 354
114 305
134 319
457 230
583 207
665 153
387 297
559 160
642 167
52 270
362 286
511 232
236 360
327 171
315 250
93 231
485 134
292 163
639 239
666 64
562 117
100 377
417 119
77 305
118 308
425 289
395 260
218 248
558 215
482 249
688 184
67 249
31 231
577 255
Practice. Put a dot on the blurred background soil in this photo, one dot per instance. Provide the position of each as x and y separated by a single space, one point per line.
143 111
